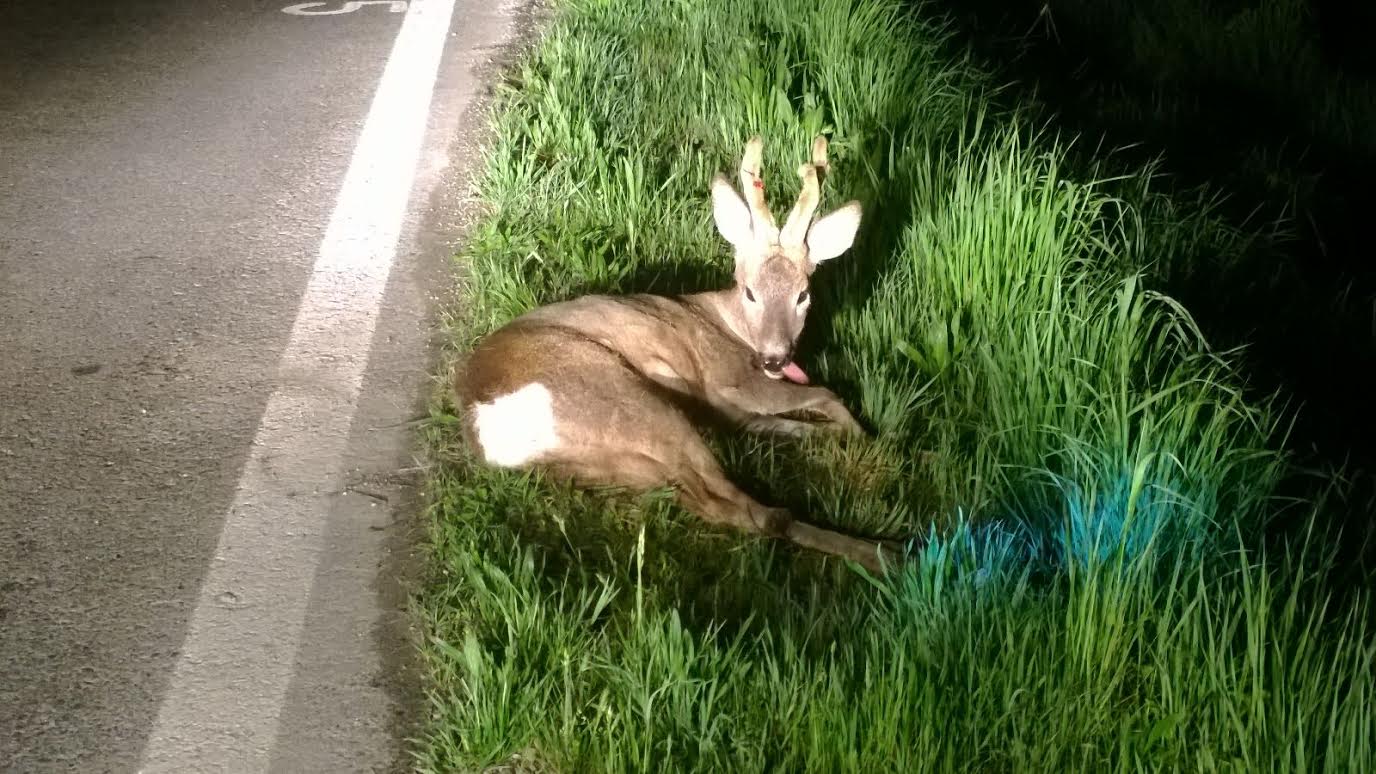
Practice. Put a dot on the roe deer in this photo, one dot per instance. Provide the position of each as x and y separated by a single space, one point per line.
597 389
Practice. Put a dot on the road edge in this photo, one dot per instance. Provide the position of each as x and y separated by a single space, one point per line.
405 567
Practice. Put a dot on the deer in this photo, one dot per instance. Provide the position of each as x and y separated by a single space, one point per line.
604 390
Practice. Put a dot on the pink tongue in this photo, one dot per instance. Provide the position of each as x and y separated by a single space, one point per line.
793 373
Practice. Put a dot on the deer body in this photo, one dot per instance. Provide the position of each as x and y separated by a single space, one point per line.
605 390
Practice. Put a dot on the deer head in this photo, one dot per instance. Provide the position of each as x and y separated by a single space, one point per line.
774 266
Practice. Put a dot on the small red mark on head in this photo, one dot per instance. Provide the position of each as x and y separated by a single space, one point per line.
759 184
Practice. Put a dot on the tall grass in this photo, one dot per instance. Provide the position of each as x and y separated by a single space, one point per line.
1269 103
1083 471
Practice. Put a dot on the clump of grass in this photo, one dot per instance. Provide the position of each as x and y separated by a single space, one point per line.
965 661
1265 101
1080 463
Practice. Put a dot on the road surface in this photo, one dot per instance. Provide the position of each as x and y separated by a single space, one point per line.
215 300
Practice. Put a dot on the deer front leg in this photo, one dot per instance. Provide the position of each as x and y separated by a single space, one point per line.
760 403
771 425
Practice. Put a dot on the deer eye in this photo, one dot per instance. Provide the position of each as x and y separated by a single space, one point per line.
749 296
802 298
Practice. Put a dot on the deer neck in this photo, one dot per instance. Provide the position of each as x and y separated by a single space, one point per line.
725 305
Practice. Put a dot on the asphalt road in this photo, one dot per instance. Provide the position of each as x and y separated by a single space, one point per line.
167 172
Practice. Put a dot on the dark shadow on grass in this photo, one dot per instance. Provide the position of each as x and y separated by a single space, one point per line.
1304 307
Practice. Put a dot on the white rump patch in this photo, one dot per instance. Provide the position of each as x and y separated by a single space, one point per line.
516 428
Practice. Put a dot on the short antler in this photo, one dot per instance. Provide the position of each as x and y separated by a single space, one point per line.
800 219
752 187
819 158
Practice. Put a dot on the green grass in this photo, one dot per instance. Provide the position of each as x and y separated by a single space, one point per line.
1092 480
1267 101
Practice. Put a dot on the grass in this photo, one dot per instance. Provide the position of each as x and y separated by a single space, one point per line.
1089 475
1268 100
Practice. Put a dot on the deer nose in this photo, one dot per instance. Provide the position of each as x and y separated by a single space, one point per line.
775 362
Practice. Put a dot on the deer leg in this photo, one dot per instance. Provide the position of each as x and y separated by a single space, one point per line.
779 426
867 553
841 420
703 489
764 399
708 493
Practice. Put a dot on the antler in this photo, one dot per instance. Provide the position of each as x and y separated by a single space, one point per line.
819 158
752 187
800 219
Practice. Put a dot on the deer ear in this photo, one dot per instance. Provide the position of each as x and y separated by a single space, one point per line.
731 213
833 233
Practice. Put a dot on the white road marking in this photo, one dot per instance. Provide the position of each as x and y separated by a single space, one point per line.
516 428
312 9
222 706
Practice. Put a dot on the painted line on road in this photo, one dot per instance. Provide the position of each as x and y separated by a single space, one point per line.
222 707
313 9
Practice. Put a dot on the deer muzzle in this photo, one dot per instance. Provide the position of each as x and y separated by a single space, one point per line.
784 368
774 364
